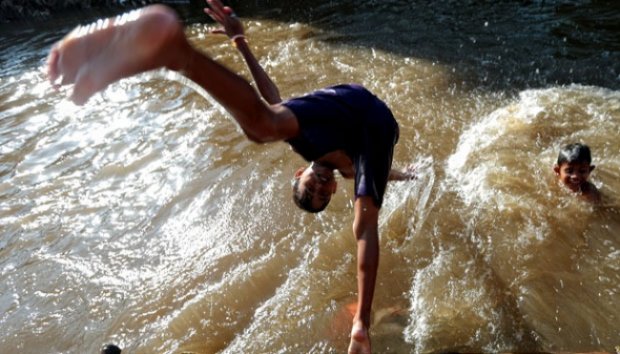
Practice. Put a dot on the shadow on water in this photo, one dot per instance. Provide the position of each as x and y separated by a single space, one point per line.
508 45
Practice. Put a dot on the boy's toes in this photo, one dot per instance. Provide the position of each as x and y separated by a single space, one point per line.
52 66
87 84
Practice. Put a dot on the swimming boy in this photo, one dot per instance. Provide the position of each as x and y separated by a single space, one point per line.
573 169
344 128
110 349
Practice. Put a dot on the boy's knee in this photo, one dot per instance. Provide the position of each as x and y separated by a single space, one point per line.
160 12
263 128
157 23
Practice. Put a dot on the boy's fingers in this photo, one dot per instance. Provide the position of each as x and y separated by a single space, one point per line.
85 87
216 17
52 65
210 9
215 5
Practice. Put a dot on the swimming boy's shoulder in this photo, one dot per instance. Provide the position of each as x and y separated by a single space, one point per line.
590 192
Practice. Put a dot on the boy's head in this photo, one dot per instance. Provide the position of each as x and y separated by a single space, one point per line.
573 153
110 349
313 188
574 165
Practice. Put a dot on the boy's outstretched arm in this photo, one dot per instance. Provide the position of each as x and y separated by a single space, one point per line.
232 27
365 229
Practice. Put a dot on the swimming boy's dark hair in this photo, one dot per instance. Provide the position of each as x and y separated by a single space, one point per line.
110 349
304 201
575 152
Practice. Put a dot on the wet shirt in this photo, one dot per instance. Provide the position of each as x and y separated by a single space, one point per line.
349 118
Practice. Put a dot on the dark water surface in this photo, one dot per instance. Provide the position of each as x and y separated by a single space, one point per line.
145 218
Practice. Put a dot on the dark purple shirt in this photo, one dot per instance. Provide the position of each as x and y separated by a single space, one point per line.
352 119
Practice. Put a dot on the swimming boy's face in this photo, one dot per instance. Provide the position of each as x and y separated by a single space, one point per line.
573 174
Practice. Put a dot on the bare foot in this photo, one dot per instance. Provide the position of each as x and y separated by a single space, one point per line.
94 56
360 340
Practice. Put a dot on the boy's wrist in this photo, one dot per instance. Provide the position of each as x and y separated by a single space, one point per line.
236 39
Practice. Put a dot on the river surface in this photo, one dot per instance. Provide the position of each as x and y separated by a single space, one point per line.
145 218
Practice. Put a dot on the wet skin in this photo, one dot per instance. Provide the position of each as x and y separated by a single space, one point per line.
574 175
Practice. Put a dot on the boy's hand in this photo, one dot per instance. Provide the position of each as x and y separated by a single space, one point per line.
225 16
408 174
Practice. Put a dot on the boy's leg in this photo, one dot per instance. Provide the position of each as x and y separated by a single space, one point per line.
92 57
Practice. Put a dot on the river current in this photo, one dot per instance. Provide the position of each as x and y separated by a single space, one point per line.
145 218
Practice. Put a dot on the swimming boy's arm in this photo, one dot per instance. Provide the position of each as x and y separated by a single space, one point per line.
234 29
591 193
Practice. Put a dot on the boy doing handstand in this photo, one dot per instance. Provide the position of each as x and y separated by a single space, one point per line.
342 128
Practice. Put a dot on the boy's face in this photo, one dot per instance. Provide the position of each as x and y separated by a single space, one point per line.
573 174
320 187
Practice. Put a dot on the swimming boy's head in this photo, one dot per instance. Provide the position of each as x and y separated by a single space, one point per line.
574 165
110 349
573 153
313 187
